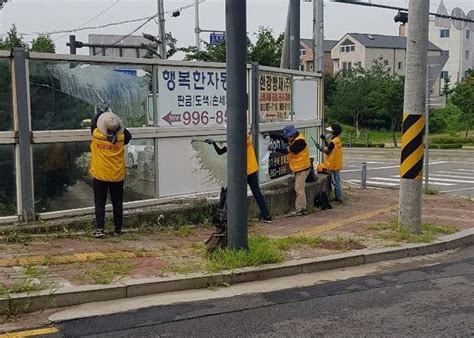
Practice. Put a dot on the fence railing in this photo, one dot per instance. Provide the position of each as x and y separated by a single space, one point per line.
47 101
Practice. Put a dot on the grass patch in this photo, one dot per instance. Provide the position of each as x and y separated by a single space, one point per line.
430 191
22 286
262 250
429 232
31 271
108 272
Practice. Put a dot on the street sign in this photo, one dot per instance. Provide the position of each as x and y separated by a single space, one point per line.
215 38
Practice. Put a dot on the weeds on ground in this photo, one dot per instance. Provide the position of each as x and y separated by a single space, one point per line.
262 250
31 271
337 243
110 271
429 232
16 236
430 191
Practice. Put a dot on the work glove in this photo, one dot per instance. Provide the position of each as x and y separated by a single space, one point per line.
271 147
320 147
209 141
323 137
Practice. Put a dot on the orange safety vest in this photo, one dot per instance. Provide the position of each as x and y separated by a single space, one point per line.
299 162
334 160
107 159
252 163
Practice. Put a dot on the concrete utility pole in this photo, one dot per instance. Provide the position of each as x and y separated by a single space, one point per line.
285 53
236 51
197 30
411 164
161 29
295 34
318 35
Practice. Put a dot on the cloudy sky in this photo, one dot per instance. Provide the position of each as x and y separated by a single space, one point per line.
32 16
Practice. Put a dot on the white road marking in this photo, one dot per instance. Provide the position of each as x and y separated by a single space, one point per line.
398 180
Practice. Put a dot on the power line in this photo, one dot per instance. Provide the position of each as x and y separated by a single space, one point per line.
90 27
95 17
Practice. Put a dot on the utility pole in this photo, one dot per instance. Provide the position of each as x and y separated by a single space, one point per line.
236 51
197 30
427 131
295 34
411 164
285 53
318 35
161 29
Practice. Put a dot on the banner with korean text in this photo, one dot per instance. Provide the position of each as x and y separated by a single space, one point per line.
191 96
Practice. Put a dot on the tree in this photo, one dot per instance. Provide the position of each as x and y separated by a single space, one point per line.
388 100
12 40
463 97
210 53
266 50
43 44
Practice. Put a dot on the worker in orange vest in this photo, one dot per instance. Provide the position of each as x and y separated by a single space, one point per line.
332 148
252 177
107 167
299 161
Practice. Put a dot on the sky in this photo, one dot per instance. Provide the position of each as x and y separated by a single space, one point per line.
32 16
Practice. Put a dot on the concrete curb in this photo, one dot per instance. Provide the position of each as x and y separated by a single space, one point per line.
76 295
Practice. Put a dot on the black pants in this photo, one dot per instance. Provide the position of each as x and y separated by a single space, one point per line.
252 181
100 198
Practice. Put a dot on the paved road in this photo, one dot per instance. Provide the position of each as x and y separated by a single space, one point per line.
454 175
423 301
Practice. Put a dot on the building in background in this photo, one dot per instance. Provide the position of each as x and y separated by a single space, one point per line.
307 55
456 40
356 49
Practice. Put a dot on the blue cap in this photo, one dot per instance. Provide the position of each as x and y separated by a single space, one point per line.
289 131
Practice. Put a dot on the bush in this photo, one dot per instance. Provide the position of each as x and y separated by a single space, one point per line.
446 119
450 139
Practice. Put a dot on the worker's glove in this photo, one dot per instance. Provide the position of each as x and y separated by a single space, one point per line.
323 137
320 147
209 141
271 147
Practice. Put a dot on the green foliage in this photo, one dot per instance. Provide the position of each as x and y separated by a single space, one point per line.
261 250
266 50
43 44
463 97
12 40
367 98
445 119
429 232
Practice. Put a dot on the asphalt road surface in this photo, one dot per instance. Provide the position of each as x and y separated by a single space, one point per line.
446 175
422 300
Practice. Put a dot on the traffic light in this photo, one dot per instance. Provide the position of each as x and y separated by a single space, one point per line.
401 17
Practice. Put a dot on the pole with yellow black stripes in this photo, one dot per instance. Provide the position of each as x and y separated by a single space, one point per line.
411 163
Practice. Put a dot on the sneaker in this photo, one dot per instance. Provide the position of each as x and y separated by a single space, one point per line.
118 232
98 233
300 212
337 201
267 219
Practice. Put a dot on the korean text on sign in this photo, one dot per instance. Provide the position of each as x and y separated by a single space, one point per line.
275 97
192 96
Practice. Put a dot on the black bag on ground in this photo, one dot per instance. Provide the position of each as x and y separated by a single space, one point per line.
218 239
321 201
312 177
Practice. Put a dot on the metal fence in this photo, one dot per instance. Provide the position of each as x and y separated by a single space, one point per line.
170 107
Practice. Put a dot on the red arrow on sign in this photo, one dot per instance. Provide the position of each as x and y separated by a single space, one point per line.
170 118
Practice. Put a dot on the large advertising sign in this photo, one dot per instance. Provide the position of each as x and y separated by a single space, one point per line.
275 97
190 96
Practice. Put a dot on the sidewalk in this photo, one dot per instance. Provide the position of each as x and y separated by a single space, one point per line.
366 220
